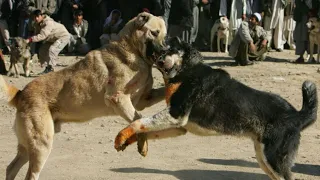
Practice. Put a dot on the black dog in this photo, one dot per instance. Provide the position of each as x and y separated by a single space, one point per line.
208 101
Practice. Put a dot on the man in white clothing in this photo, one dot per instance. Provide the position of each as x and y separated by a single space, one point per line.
274 21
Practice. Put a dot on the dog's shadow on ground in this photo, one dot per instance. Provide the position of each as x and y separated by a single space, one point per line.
308 169
192 174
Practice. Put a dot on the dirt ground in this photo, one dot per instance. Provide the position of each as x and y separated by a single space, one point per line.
85 151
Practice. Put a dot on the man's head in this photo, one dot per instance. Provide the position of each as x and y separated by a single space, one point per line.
115 15
78 15
38 16
255 19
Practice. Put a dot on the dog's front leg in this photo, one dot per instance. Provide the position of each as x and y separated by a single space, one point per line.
17 74
123 106
26 69
10 69
156 135
152 97
218 42
227 42
158 122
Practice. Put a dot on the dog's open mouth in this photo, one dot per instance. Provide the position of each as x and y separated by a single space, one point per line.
154 52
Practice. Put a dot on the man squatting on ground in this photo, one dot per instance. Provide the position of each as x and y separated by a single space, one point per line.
54 36
250 42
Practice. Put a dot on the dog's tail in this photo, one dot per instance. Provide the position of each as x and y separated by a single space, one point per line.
7 92
308 113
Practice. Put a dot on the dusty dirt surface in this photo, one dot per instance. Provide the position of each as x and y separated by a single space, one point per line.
85 151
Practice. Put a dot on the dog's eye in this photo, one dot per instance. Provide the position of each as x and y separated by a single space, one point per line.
155 33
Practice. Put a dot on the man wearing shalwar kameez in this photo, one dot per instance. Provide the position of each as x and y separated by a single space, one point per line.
274 16
238 13
289 24
250 42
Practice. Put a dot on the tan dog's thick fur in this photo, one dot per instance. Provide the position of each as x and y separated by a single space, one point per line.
314 37
20 52
116 80
221 28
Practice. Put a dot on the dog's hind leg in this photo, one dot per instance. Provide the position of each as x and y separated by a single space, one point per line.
264 165
123 106
35 130
16 164
280 150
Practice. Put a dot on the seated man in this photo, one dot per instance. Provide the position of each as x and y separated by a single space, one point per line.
78 32
250 42
54 36
111 27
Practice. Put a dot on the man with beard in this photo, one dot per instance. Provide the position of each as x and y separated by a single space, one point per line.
250 42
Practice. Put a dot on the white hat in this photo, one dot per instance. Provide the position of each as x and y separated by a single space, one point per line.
258 16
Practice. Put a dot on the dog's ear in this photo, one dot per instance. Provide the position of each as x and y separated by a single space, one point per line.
142 19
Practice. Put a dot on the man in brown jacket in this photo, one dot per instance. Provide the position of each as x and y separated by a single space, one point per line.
54 36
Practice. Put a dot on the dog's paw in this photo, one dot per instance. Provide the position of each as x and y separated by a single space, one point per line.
142 144
57 127
124 138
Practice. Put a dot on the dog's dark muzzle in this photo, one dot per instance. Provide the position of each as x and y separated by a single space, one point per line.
154 51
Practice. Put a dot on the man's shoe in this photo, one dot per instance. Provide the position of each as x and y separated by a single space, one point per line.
311 60
279 50
300 60
47 70
246 63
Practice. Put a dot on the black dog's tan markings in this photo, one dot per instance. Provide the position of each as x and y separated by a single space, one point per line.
209 101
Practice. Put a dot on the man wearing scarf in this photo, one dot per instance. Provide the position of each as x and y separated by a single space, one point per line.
112 26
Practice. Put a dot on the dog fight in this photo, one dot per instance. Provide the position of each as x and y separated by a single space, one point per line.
159 89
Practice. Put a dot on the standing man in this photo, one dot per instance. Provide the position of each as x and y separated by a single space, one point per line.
301 12
289 24
181 19
166 11
237 15
54 36
274 21
195 27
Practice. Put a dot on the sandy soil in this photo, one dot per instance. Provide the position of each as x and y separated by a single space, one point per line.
85 151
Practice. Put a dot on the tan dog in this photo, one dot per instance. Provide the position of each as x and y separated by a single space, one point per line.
20 52
314 37
116 80
221 28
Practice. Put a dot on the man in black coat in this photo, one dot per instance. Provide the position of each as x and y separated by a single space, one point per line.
181 19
